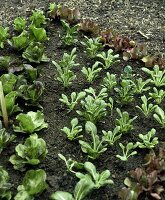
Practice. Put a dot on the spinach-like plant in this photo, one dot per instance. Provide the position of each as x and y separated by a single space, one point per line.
5 186
157 95
71 33
157 75
75 97
19 24
74 132
92 45
91 72
112 136
108 58
34 183
140 85
32 152
124 122
30 122
110 104
38 18
96 147
126 151
3 35
38 34
148 140
146 108
159 116
110 81
35 53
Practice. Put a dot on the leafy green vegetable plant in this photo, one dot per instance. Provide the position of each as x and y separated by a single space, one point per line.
96 147
140 85
110 104
124 122
146 108
126 151
34 183
3 36
159 116
74 132
91 72
108 58
148 140
38 34
92 45
157 95
52 11
31 72
19 24
32 152
5 62
109 81
38 18
30 122
75 97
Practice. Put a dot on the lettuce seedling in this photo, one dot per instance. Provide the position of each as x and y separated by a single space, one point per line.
30 122
38 34
31 72
35 53
148 140
32 152
38 18
34 183
140 85
159 116
108 58
96 147
157 75
75 97
5 186
146 108
92 46
19 24
53 10
5 62
91 72
124 122
109 81
89 26
157 95
126 151
74 132
71 33
8 82
3 36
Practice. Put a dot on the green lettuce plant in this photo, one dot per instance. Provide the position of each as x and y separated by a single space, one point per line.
19 24
148 141
91 72
34 183
74 99
96 146
3 36
157 95
52 10
38 34
108 58
127 73
75 130
8 82
159 116
140 85
146 108
127 151
109 81
31 72
30 122
5 62
38 18
32 152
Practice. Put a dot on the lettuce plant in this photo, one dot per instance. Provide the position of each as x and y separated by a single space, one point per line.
148 140
19 24
89 26
38 18
35 53
32 152
92 46
124 122
5 62
30 122
157 75
31 72
126 151
159 116
75 130
109 81
38 34
95 147
146 108
3 35
8 82
140 85
53 9
157 95
91 72
108 58
5 186
75 97
34 183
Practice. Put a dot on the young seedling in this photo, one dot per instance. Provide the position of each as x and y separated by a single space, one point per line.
110 104
126 151
52 11
160 116
91 73
148 140
157 95
124 122
109 81
38 18
74 132
38 34
92 46
75 97
19 24
140 85
108 58
96 147
146 108
127 73
71 33
158 76
3 36
112 136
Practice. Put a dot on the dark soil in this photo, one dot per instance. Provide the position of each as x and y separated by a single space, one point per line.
127 18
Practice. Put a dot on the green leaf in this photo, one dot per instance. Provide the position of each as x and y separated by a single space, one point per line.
59 195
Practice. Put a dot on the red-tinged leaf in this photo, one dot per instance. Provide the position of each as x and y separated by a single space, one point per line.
123 43
89 26
137 174
107 37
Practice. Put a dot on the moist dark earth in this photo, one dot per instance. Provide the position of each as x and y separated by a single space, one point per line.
143 21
